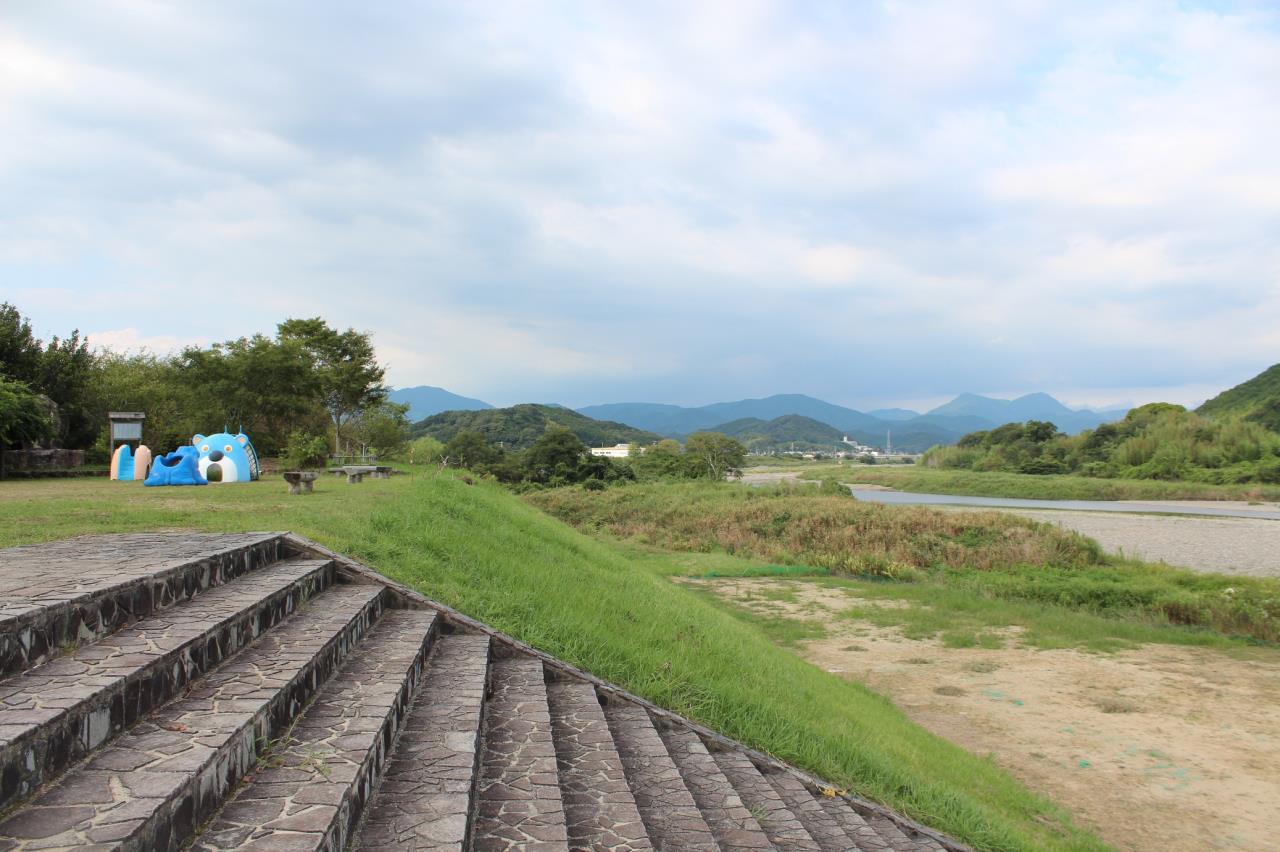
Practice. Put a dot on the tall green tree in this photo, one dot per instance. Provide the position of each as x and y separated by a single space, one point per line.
20 351
24 416
346 367
267 387
714 455
384 427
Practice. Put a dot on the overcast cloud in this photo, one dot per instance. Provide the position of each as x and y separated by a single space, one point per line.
870 202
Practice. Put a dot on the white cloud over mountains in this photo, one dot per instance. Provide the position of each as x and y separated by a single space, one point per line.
593 202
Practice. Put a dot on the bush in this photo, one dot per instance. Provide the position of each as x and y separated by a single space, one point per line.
304 451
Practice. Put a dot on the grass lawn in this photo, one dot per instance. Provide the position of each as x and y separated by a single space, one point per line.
977 484
602 606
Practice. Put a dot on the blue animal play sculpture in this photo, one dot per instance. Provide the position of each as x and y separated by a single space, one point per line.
233 457
180 467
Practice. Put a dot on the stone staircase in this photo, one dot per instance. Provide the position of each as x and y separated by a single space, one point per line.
181 690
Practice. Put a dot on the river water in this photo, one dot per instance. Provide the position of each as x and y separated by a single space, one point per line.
1153 506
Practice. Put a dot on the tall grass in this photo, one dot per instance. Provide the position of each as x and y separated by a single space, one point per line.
482 550
990 554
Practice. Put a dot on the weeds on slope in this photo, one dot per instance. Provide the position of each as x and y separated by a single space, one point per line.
990 555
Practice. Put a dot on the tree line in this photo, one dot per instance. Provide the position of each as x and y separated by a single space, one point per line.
305 383
1155 441
559 457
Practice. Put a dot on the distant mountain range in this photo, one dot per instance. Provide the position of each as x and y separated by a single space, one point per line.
771 422
425 400
911 432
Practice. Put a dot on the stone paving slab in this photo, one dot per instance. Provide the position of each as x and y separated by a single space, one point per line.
426 797
59 593
784 829
599 807
860 833
667 807
56 713
318 779
822 827
730 821
155 783
519 795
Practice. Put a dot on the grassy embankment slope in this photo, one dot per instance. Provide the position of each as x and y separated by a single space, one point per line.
482 550
981 564
1039 487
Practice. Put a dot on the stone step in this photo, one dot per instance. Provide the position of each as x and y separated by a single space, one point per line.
860 833
783 828
425 799
518 798
149 788
886 828
56 713
56 595
822 827
320 775
667 807
600 810
729 819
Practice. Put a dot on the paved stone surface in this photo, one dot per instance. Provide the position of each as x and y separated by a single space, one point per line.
897 841
425 800
666 805
319 777
598 803
783 827
519 795
303 705
731 822
821 826
59 593
61 710
150 787
860 834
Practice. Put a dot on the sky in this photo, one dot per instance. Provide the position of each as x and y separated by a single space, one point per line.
876 203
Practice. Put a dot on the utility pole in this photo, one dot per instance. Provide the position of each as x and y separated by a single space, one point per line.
889 439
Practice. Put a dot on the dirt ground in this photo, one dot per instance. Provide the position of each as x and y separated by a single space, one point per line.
1159 748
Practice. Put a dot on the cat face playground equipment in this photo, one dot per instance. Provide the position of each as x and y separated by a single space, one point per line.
226 458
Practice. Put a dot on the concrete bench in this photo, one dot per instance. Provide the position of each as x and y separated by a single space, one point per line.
300 481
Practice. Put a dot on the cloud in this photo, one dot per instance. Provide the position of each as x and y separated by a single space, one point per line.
687 202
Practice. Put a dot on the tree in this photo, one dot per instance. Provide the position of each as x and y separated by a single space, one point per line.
63 371
557 454
385 427
346 368
24 416
266 387
664 460
714 455
469 449
20 352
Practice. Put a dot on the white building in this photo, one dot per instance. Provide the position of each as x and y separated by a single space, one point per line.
617 451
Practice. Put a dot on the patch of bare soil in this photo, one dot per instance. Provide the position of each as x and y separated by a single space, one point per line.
1163 747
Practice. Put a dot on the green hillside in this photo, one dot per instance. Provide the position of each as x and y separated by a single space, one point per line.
600 606
781 432
517 427
1257 399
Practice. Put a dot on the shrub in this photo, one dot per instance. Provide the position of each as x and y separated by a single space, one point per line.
305 451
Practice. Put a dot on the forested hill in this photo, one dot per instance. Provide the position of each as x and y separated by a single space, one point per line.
781 432
1257 399
519 426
